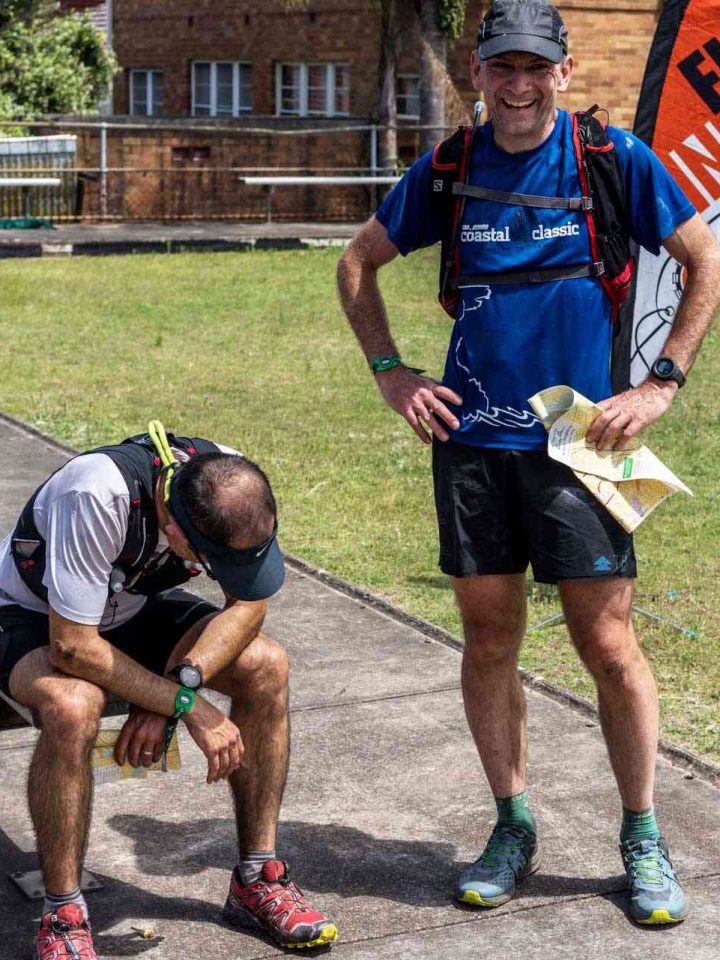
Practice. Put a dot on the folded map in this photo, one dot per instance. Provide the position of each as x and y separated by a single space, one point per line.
629 483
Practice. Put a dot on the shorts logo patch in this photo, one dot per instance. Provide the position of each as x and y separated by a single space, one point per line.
602 565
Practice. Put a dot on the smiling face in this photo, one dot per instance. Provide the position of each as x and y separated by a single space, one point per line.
520 92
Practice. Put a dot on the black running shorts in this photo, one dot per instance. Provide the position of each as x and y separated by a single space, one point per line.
500 510
149 637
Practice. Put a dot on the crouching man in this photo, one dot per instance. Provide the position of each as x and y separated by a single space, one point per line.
90 603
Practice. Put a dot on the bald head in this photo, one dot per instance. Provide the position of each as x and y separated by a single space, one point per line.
228 498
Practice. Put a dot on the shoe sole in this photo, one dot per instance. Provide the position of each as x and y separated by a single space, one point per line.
474 899
239 917
659 917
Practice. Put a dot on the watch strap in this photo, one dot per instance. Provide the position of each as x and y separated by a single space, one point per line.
184 702
384 363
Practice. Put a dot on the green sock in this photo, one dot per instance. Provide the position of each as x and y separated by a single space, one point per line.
515 811
639 825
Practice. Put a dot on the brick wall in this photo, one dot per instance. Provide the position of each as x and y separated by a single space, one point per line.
609 40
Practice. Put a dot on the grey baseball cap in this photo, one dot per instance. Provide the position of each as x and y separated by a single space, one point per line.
527 26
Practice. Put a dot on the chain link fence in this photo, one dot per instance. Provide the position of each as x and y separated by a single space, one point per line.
122 170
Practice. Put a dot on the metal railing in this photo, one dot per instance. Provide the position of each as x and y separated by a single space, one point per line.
177 170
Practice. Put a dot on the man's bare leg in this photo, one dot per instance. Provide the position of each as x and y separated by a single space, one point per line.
60 779
598 615
257 684
493 615
258 687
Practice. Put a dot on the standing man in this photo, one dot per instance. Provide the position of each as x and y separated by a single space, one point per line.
501 501
90 604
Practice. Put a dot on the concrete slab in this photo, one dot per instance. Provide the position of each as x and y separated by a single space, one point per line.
103 239
385 804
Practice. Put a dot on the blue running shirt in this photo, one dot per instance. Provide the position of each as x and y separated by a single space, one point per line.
511 340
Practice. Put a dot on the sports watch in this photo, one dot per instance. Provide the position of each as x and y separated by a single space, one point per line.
187 675
666 369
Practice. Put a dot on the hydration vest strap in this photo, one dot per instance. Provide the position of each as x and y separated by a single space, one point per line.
522 199
532 276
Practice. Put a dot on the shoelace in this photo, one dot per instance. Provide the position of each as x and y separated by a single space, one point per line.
501 842
289 893
647 866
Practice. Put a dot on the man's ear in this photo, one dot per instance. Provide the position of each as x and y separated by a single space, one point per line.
566 71
174 533
476 71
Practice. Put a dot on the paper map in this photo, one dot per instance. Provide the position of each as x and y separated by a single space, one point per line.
105 770
628 483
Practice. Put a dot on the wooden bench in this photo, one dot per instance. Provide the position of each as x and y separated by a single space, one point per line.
269 184
27 184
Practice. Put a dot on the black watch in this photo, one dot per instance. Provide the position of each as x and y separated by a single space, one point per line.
666 369
187 676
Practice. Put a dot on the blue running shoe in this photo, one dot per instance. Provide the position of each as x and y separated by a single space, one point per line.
511 854
655 894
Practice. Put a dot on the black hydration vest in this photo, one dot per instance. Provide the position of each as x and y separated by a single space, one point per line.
602 185
133 570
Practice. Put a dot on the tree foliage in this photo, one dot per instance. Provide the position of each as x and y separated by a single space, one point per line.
49 64
451 17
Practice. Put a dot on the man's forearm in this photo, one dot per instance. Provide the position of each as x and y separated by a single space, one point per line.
699 302
362 302
223 638
81 652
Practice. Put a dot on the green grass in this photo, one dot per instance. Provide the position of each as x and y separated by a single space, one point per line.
252 350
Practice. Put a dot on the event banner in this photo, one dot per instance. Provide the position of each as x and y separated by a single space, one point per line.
679 117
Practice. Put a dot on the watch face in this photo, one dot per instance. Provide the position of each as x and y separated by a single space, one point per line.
190 677
664 367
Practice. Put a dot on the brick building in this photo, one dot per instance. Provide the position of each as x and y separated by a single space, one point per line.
250 64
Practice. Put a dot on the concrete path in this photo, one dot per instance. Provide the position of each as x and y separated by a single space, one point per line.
103 239
385 804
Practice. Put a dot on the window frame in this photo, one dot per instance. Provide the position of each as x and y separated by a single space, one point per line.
407 116
237 109
304 89
150 100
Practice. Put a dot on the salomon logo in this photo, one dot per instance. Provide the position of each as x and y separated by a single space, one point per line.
437 186
602 565
549 233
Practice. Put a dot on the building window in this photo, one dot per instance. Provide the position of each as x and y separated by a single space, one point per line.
221 89
408 95
146 93
312 89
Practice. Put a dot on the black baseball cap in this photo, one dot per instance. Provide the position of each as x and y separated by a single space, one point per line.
254 573
527 26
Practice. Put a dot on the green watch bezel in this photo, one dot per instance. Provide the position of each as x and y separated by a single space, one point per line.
184 702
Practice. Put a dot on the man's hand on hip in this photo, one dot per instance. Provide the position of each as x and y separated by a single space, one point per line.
419 400
141 739
218 738
626 414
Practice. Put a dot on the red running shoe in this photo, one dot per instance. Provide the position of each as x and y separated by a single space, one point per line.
65 935
275 904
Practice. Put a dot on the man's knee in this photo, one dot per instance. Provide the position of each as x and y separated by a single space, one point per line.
265 671
70 710
493 638
608 654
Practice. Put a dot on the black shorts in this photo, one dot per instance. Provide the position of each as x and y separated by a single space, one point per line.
499 510
149 637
